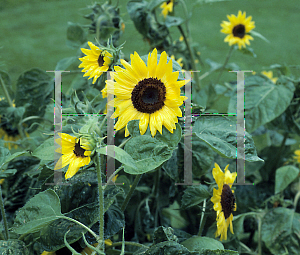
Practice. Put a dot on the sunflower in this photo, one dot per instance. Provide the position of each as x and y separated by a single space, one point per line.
76 153
95 62
149 93
224 200
167 7
238 29
270 76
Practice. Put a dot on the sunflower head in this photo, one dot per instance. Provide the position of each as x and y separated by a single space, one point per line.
297 157
238 28
270 76
75 152
224 200
167 7
149 93
95 62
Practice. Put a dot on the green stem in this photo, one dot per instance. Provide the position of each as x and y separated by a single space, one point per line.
101 125
202 221
191 53
124 142
297 196
3 215
112 176
6 92
259 236
135 183
82 225
101 199
225 63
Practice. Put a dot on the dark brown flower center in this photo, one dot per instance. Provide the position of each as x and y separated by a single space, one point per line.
239 31
148 95
227 201
78 151
100 60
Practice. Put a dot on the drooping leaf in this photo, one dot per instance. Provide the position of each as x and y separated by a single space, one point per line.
76 35
220 134
284 176
281 237
194 195
163 234
264 101
37 213
148 153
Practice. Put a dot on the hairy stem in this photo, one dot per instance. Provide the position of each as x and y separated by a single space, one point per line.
135 183
3 215
203 219
225 63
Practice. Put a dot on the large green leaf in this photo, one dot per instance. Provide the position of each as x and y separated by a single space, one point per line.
280 231
119 154
13 247
220 134
46 150
76 35
284 176
37 213
194 195
200 243
264 101
148 153
167 248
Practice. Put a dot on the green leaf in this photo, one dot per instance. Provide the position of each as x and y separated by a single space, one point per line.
264 101
34 87
52 236
280 231
76 35
4 154
154 3
200 243
46 150
172 21
8 172
167 248
163 234
171 139
254 33
13 247
148 153
220 134
248 51
173 213
284 176
11 157
194 195
119 154
37 213
219 252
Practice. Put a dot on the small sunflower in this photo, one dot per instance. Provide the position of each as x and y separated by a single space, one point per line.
167 7
95 62
270 76
76 153
224 200
297 157
149 93
238 29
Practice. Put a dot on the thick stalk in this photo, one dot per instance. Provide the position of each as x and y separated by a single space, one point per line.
3 215
225 63
135 183
6 92
101 199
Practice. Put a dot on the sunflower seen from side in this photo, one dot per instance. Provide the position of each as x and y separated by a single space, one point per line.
95 62
148 93
238 28
167 7
76 153
224 200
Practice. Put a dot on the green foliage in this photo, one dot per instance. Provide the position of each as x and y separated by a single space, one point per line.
281 238
14 247
37 213
46 150
201 243
284 176
76 36
194 195
264 101
220 134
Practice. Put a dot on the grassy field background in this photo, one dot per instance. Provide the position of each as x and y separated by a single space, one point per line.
33 32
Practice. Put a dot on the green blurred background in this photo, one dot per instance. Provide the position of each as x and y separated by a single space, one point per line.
33 32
